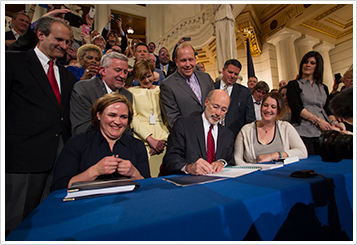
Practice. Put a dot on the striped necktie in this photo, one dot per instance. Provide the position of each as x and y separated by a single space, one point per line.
225 88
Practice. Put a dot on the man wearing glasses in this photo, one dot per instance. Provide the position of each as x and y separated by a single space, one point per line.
201 145
258 92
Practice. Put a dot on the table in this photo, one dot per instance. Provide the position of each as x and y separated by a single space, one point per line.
264 205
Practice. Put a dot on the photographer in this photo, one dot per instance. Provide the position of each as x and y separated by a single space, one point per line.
347 80
342 107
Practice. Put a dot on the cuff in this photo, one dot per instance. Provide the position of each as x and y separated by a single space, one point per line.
183 169
223 161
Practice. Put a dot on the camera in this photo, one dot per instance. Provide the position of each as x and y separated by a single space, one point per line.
335 146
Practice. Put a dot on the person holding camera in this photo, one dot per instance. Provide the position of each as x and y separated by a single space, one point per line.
347 80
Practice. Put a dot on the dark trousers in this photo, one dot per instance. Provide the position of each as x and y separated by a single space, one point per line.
24 192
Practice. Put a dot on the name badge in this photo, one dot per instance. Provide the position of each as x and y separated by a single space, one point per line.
152 119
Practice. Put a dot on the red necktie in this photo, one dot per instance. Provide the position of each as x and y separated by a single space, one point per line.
51 77
210 146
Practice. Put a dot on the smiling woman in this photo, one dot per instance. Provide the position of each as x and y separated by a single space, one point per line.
309 102
104 152
88 56
268 139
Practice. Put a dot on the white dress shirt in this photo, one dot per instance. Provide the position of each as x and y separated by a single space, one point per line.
230 88
44 62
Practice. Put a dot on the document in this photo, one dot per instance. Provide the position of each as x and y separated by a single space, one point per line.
187 180
259 166
233 172
99 188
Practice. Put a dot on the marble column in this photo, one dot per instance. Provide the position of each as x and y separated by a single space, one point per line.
225 34
324 48
39 11
303 45
283 41
102 12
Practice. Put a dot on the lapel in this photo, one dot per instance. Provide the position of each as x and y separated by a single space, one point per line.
200 136
217 85
40 76
220 141
183 84
66 85
101 89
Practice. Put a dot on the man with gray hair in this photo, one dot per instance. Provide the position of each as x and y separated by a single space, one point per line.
37 93
113 72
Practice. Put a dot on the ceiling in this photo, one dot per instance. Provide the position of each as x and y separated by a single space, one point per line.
332 23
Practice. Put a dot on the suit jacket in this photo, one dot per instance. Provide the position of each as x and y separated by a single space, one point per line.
26 41
9 35
177 98
34 120
170 70
84 94
186 144
241 108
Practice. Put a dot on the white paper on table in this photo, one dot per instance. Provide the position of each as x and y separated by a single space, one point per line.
234 172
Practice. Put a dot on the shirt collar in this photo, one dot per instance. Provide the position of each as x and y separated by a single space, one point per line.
303 80
206 123
16 34
101 139
42 57
223 84
187 79
109 90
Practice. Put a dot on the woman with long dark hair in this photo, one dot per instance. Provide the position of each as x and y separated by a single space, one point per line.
309 102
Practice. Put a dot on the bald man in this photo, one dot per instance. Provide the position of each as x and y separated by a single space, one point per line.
200 145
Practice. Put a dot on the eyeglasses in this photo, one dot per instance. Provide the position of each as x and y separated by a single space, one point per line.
217 107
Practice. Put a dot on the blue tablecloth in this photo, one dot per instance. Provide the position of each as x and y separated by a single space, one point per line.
267 205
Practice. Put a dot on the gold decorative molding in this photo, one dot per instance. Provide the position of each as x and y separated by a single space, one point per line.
336 36
329 11
340 24
248 32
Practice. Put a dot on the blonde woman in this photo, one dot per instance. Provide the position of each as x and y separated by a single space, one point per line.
147 122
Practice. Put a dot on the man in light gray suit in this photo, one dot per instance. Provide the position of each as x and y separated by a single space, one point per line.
183 92
113 71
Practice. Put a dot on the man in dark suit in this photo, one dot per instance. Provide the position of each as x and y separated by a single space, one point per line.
183 93
113 71
241 108
166 65
37 92
20 22
152 47
200 145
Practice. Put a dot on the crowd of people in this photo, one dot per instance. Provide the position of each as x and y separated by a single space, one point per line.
103 108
